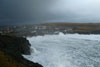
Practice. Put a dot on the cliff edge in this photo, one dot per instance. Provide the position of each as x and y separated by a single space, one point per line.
11 50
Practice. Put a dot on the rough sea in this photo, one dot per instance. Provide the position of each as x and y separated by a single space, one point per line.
70 50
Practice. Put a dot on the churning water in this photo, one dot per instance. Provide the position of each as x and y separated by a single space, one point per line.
70 50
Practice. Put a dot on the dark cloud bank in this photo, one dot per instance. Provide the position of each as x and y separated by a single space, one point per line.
13 12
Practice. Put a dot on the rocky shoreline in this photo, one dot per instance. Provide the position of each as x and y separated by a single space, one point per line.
11 50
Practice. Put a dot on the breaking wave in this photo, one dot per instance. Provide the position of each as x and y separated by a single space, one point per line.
70 50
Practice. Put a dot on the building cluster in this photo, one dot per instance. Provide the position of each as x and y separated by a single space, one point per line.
6 30
34 30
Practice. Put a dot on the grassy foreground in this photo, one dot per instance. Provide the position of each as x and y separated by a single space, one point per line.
7 61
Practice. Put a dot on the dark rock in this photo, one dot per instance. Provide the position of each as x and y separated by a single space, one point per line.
15 47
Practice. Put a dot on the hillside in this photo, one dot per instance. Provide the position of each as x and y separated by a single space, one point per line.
81 28
51 28
11 50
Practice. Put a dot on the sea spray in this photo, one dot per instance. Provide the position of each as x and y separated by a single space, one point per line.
70 50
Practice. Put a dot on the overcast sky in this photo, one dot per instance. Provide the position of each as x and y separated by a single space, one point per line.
37 11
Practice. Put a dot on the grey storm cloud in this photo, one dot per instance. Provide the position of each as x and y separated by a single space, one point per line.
33 11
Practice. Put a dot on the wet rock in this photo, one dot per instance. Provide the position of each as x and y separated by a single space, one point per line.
15 47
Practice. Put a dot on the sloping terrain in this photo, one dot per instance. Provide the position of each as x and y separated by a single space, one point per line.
11 50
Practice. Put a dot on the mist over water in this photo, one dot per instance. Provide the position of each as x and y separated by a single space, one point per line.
70 50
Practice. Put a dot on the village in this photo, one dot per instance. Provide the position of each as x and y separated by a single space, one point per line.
33 30
50 29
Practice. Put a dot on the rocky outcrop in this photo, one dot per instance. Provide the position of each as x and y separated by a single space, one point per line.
15 47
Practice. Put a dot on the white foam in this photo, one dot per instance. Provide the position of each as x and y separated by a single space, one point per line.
70 50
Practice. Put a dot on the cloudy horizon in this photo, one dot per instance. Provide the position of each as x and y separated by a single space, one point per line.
37 11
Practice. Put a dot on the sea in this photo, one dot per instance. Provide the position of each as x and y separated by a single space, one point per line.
65 50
